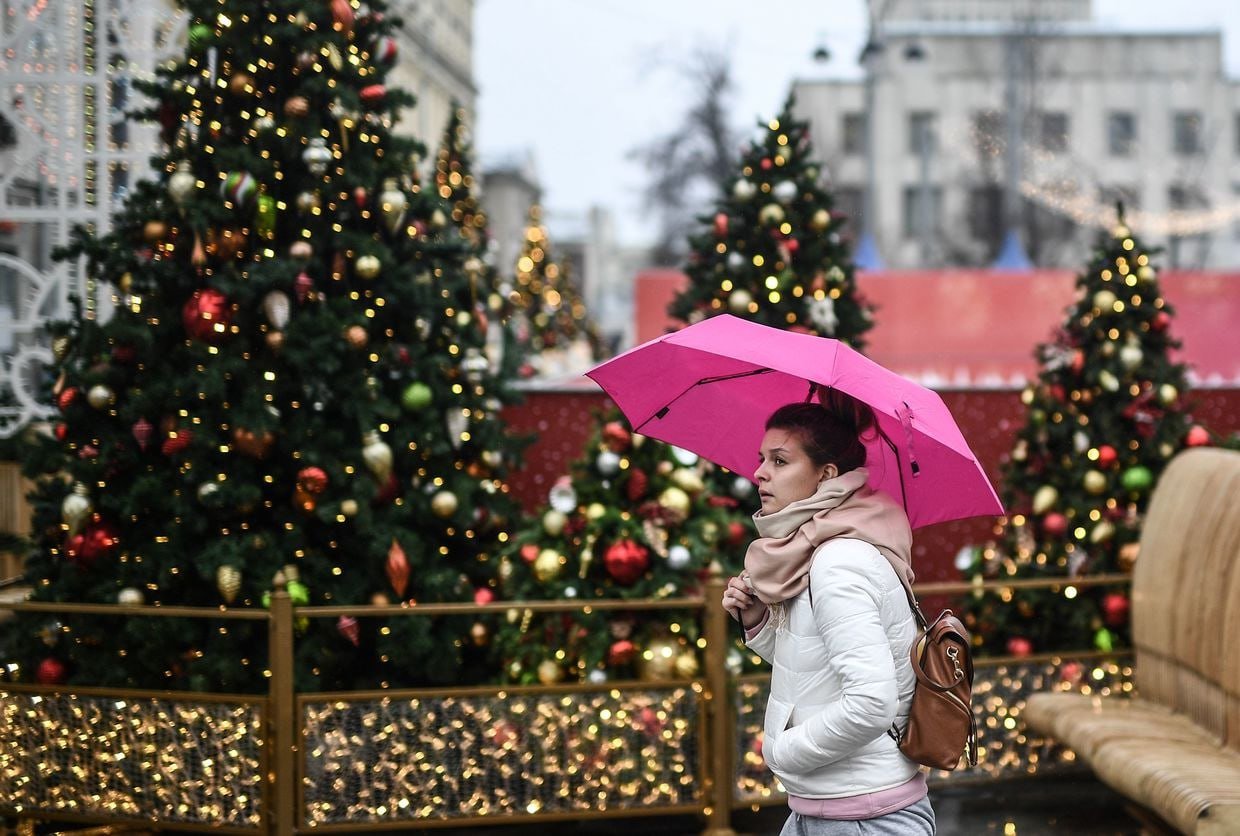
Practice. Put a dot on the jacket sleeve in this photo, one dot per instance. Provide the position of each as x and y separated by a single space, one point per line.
763 642
846 604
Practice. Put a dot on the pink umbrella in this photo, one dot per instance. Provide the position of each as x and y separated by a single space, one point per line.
709 388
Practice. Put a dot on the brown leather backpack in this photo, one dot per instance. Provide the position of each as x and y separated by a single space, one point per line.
941 726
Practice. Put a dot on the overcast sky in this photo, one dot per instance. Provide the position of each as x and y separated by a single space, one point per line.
580 82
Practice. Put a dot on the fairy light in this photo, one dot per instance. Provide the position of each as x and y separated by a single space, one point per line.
515 754
1056 183
132 757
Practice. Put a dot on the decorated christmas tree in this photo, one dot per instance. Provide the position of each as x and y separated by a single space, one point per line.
1104 416
633 520
454 182
551 331
774 251
293 379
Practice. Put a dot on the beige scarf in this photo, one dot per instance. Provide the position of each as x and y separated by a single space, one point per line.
777 563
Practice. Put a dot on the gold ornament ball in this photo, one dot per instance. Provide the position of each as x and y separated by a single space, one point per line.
100 396
739 301
688 480
549 672
356 336
349 507
548 564
154 231
275 340
367 267
821 220
241 84
1128 554
772 213
687 665
676 500
595 510
1168 394
658 661
1095 482
296 107
380 599
1045 498
1104 300
444 504
553 522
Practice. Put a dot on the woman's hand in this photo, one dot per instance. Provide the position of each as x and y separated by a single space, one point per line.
737 599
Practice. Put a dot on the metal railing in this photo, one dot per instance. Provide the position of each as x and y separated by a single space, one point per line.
282 809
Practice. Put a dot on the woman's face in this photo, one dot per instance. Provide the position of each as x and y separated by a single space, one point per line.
785 472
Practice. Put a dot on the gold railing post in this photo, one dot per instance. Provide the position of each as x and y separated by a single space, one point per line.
282 729
720 745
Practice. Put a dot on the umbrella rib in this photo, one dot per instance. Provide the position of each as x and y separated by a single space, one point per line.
716 379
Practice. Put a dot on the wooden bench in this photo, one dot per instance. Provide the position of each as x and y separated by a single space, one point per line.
1175 748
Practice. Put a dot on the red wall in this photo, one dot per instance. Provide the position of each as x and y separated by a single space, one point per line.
563 421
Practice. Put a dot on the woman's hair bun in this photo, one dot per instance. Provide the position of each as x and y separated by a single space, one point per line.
847 409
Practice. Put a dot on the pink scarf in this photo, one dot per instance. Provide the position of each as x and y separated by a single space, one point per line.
777 563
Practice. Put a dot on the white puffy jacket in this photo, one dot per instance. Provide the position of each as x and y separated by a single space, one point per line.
840 676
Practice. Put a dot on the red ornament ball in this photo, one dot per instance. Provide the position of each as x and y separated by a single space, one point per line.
1197 436
529 553
1071 672
1019 646
177 440
621 652
1160 321
207 315
1107 455
312 480
1055 524
61 431
373 95
483 596
1115 608
616 436
51 671
96 541
721 224
626 560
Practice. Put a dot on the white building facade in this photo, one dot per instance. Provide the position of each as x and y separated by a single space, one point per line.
436 64
993 117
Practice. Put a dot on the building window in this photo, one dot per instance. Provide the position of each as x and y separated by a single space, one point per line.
988 132
985 212
849 202
921 132
1121 132
854 134
923 208
1186 132
1053 132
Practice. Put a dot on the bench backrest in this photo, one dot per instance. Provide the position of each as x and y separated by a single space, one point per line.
1186 592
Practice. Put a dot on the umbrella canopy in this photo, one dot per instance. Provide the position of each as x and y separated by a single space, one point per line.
711 386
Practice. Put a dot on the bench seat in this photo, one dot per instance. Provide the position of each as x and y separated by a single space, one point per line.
1175 748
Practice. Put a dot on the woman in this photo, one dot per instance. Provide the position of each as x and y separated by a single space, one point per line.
822 600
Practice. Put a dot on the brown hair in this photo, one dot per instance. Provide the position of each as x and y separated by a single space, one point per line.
830 430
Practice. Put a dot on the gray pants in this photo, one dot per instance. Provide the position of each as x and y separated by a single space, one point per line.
914 820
